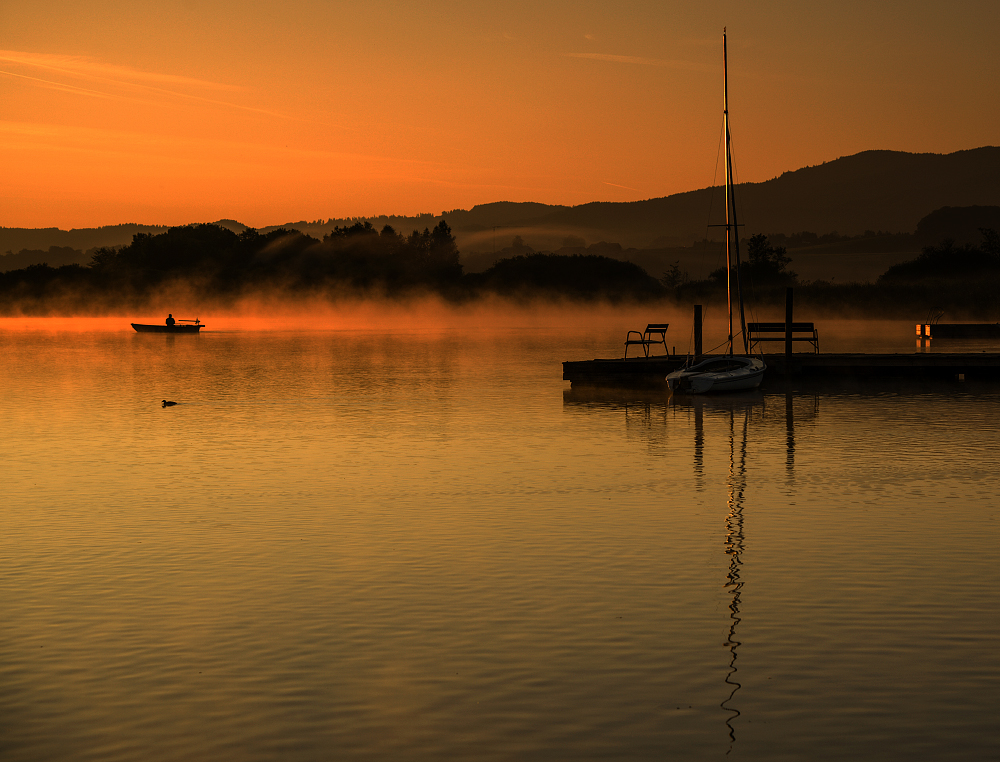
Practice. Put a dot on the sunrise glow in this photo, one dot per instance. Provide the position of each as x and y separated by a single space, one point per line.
169 114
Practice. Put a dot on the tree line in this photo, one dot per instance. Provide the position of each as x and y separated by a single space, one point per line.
946 277
215 263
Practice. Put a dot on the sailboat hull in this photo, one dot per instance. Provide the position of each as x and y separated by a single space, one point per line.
729 374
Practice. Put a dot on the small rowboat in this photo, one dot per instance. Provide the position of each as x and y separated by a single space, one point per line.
182 326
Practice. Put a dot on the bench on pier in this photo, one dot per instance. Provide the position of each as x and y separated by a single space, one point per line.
647 338
758 332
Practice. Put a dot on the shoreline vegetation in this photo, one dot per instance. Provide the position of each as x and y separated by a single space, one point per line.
214 265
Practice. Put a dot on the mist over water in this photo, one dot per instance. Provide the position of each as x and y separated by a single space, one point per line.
400 535
605 323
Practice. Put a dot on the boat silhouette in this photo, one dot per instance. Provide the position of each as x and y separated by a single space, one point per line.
181 326
732 372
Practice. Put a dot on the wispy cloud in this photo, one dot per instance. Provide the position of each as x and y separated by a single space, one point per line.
89 68
150 96
47 83
672 64
69 74
616 185
119 82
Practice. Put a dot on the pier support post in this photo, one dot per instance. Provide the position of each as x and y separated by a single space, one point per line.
788 329
697 332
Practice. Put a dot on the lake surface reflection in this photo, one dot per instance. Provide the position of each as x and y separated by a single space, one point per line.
354 545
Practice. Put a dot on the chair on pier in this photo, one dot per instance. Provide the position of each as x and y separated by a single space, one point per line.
758 332
645 339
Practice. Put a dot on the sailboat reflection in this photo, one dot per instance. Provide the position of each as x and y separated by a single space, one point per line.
734 549
651 417
713 407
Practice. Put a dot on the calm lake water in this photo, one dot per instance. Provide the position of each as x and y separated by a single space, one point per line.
425 545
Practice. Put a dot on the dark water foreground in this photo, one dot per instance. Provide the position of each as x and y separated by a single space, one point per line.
426 546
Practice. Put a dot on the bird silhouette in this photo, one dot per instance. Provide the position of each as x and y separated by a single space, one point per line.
168 403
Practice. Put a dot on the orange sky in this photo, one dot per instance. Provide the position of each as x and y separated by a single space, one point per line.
173 112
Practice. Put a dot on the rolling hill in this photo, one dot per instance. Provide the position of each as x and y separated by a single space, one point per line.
887 191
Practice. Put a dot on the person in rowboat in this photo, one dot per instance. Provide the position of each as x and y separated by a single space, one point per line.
170 319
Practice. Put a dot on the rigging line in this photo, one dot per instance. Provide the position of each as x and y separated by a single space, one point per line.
722 343
719 253
735 260
711 202
755 319
715 176
738 201
741 202
753 286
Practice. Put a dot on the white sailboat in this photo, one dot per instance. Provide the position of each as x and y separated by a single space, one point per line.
731 372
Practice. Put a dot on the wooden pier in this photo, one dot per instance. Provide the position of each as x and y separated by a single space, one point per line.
652 372
964 365
958 331
636 371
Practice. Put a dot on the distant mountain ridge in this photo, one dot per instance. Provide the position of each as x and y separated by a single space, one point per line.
13 240
872 190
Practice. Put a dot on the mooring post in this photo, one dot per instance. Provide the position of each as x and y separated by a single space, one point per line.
697 331
788 329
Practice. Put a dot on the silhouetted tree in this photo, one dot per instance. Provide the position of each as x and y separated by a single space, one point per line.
675 277
444 258
948 262
582 276
991 242
766 264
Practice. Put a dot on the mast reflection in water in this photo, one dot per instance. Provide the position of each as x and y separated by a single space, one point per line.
734 549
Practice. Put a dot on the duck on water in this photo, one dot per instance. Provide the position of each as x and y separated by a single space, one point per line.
170 326
730 372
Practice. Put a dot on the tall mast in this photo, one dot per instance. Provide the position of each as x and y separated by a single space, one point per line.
732 229
729 258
